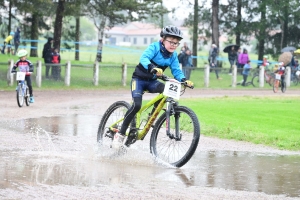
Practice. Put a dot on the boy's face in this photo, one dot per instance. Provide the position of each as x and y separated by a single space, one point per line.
171 43
23 58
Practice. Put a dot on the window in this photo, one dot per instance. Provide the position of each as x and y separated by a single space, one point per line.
151 40
145 40
134 40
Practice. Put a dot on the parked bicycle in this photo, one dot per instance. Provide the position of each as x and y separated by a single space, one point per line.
268 75
278 83
296 78
176 129
22 90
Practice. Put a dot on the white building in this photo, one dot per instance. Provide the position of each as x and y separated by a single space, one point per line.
138 34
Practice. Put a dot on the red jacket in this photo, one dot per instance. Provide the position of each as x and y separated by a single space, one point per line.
55 57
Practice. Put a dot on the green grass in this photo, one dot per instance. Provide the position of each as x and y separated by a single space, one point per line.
270 121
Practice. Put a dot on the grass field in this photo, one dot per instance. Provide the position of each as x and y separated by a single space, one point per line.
271 121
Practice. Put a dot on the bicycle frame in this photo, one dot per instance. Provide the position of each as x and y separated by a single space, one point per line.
141 133
22 84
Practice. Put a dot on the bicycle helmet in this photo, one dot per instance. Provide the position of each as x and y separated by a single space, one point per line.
171 31
12 33
22 53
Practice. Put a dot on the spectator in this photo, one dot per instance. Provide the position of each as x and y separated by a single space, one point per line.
185 46
47 55
181 54
56 69
187 63
239 51
245 72
232 57
17 39
212 57
7 42
243 59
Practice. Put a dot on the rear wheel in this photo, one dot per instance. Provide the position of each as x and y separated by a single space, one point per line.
27 98
114 113
20 96
179 150
275 85
295 80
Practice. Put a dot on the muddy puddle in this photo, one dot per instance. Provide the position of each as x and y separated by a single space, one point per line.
62 150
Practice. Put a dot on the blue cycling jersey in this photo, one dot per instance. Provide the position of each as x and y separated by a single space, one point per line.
153 55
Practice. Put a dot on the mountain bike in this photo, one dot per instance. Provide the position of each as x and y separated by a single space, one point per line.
22 90
278 83
269 78
296 78
175 129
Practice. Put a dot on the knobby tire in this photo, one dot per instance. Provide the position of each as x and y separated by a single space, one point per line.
20 97
115 112
176 153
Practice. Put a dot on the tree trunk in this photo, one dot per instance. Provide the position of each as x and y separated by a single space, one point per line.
215 22
58 23
262 33
77 36
100 38
238 23
34 34
195 33
9 17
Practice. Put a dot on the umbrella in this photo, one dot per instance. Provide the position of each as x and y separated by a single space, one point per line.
297 51
228 47
285 57
288 49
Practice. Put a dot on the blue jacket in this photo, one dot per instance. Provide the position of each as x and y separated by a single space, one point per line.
152 57
246 70
17 36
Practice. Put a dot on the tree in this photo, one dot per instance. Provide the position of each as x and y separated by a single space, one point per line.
215 22
108 13
195 32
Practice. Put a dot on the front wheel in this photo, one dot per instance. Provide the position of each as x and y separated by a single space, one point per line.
283 87
275 85
255 81
114 114
20 96
176 151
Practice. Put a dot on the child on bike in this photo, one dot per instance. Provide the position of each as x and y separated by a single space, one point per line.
26 66
281 70
154 60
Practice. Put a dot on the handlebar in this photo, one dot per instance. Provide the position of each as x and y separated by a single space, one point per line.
166 78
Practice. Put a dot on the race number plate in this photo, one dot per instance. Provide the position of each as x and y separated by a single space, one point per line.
277 76
20 76
172 89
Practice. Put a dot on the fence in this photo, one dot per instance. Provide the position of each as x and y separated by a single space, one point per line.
116 75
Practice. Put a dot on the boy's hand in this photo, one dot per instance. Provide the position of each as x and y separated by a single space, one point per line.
189 83
157 71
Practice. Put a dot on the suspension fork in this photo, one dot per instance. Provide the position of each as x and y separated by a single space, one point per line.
171 104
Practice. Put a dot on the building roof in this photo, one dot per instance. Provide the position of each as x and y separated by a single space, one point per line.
135 28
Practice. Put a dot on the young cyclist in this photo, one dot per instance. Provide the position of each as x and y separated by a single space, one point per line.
281 70
154 60
26 66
